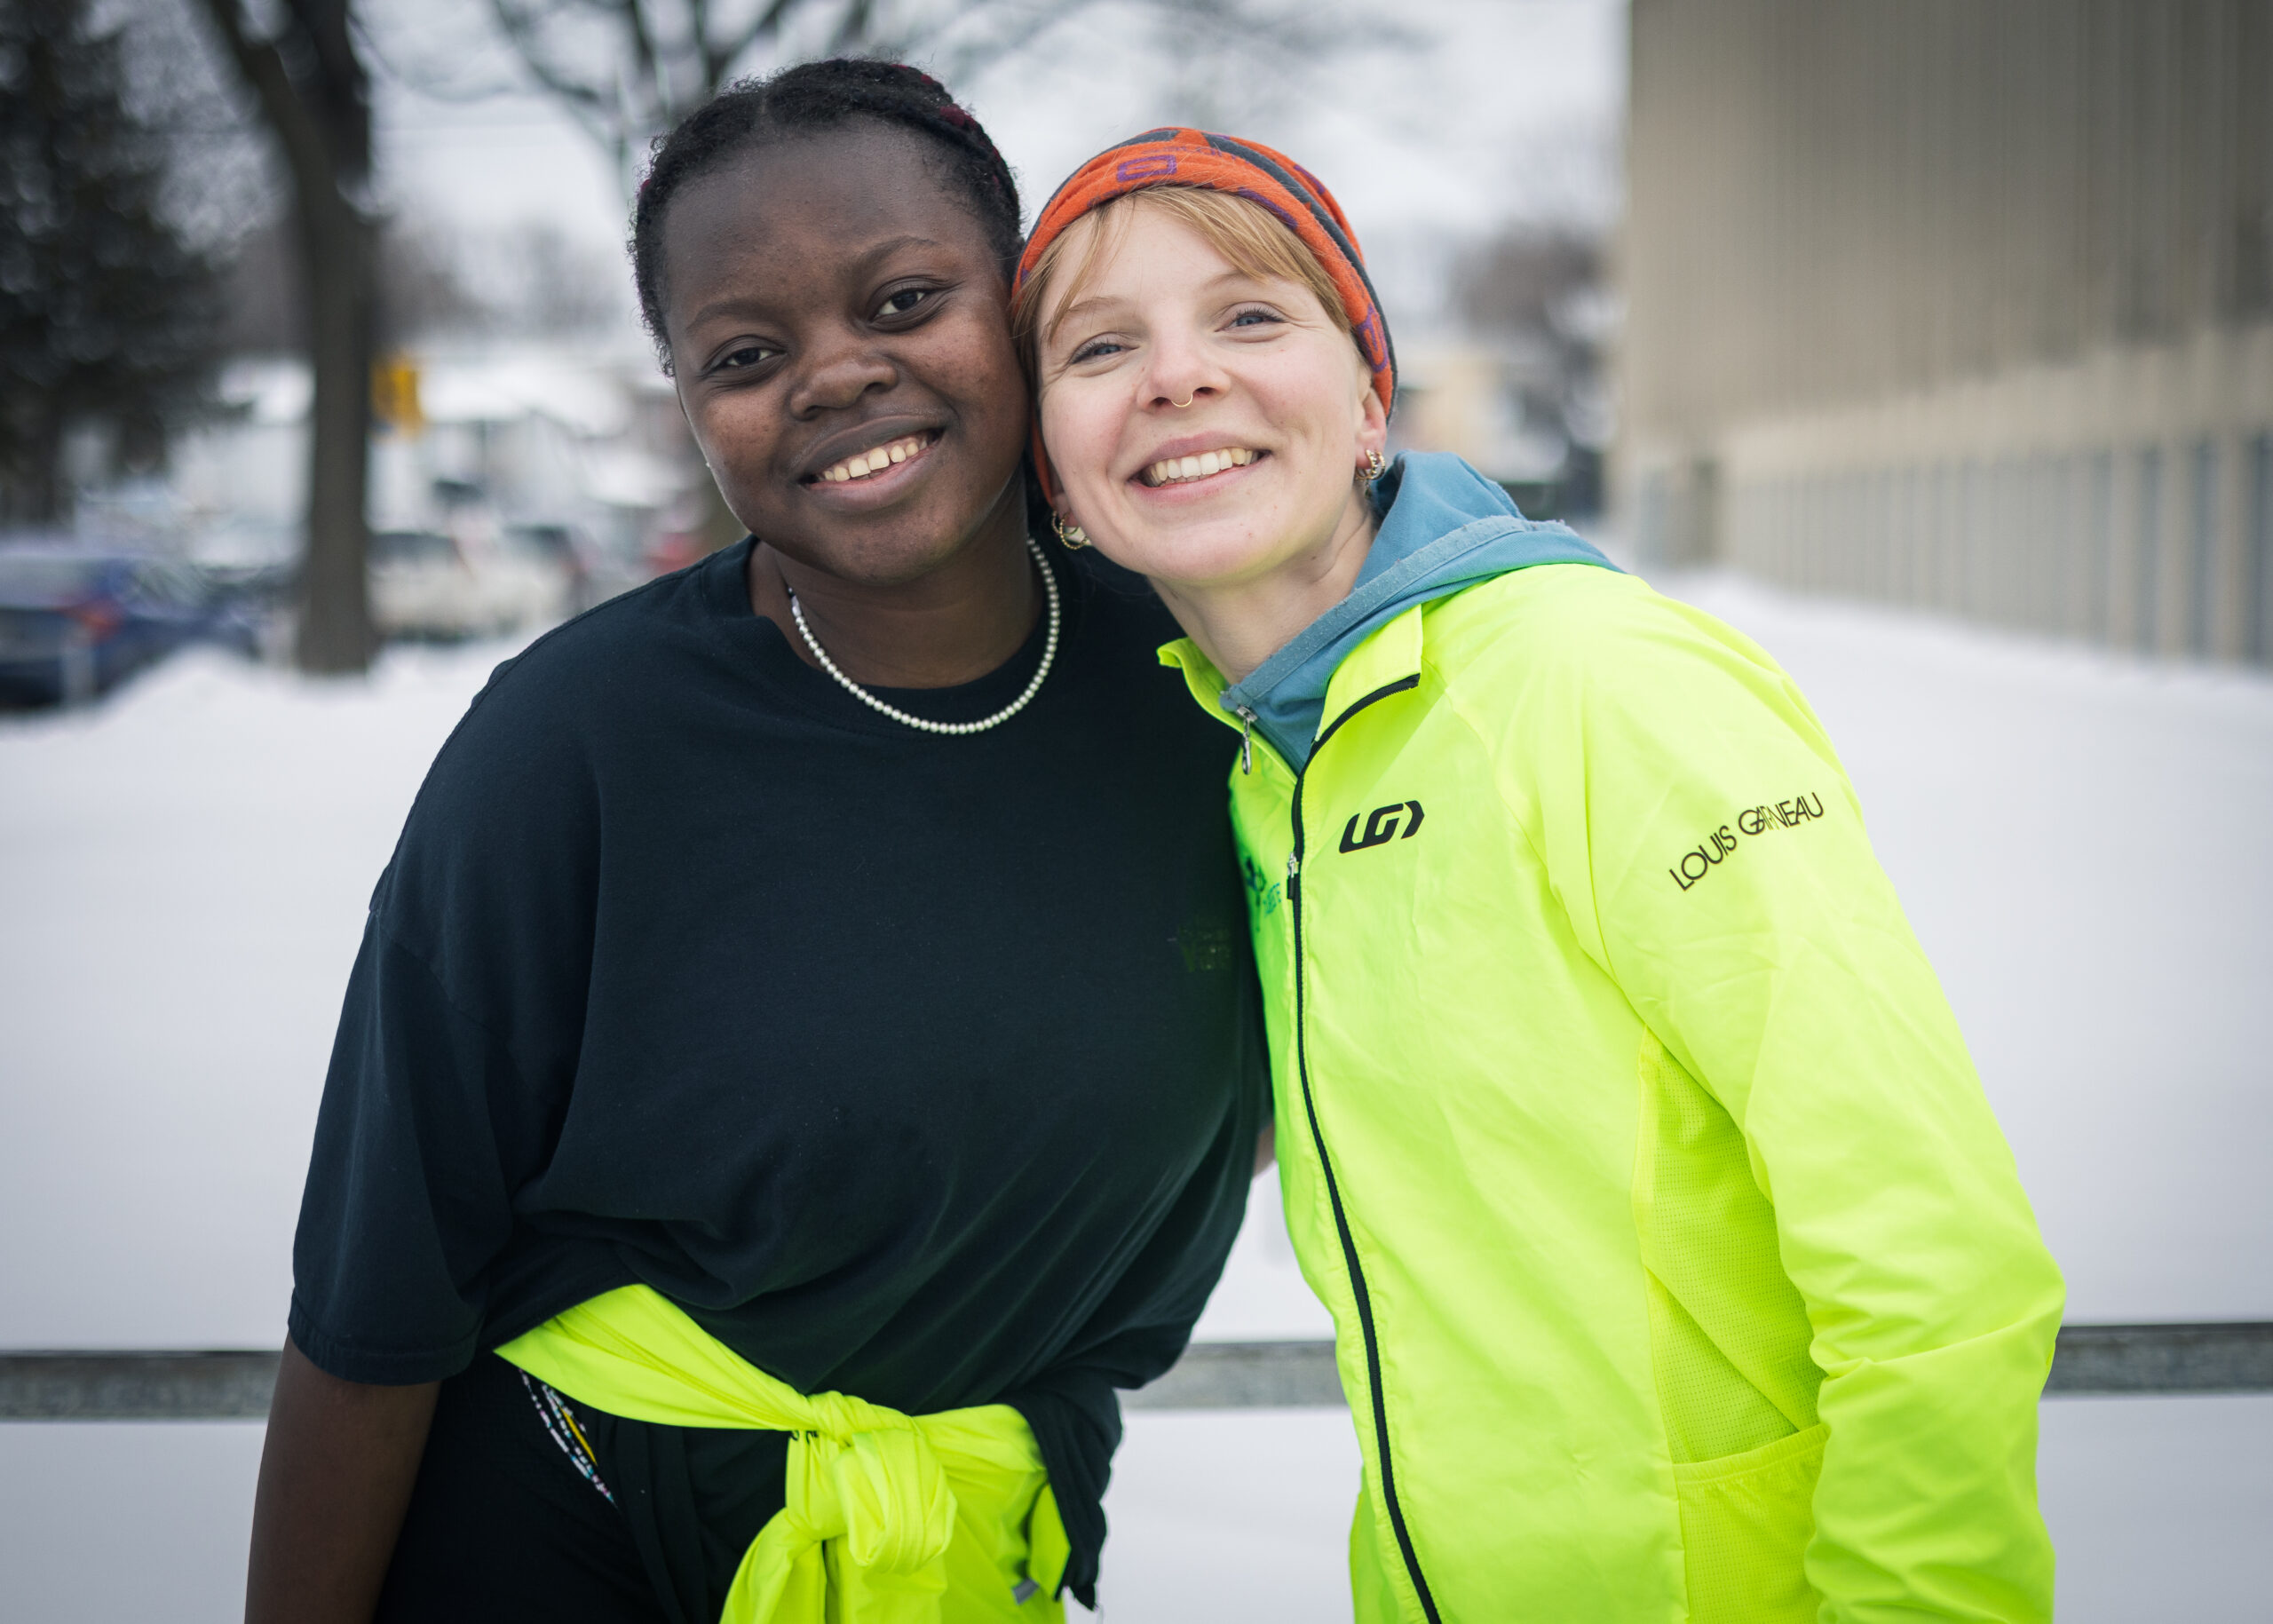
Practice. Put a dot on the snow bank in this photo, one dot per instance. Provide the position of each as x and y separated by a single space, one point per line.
183 875
2080 841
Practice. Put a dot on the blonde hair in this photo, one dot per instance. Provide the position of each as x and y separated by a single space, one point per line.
1254 240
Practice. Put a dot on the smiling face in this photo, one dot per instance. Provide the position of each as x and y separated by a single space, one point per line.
837 331
1205 425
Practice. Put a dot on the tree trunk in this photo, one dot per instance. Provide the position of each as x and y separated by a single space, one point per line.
322 131
339 245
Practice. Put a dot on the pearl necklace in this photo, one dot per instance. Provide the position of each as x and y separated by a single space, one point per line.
1049 653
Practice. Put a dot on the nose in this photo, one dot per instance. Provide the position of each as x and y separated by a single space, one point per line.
838 368
1182 374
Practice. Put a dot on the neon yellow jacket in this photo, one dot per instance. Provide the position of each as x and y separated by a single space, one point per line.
890 1518
1678 1268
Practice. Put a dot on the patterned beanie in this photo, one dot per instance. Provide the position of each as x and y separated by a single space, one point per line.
1177 157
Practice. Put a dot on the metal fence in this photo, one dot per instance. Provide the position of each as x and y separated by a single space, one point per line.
2218 1356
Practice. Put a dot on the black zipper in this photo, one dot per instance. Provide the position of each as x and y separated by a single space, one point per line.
1333 1186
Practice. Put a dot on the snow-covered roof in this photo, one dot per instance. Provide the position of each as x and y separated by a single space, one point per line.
590 399
591 394
275 388
626 477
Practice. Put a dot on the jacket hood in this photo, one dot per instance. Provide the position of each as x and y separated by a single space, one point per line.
1443 528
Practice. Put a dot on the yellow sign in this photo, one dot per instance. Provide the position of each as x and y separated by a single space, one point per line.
394 394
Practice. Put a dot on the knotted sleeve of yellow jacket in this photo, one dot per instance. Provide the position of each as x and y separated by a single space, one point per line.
888 1518
1711 855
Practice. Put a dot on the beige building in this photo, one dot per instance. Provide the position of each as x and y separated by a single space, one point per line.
1962 304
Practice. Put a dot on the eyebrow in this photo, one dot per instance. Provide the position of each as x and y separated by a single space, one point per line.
1095 300
890 246
865 262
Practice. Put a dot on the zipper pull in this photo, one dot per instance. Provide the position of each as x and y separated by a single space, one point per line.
1294 865
1247 740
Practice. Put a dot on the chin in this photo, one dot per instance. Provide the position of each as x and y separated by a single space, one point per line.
896 561
882 557
1199 556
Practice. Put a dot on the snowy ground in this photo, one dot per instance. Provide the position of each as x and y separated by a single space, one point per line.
2080 839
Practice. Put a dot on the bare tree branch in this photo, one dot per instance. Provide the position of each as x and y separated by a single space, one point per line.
1028 20
853 27
630 69
634 13
524 31
297 133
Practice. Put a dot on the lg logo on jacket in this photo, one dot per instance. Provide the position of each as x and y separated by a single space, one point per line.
1382 826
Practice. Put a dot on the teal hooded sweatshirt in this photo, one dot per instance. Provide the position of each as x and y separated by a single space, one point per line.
1444 527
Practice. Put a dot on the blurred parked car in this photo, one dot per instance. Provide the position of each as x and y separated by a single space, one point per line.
568 550
426 585
75 621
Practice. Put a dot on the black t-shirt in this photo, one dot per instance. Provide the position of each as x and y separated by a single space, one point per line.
924 1068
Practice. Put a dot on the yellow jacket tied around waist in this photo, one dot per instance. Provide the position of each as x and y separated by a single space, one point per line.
890 1518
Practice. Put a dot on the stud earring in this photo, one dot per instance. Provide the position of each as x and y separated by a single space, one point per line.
1074 537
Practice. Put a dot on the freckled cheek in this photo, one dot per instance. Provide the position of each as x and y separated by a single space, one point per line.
1295 401
973 365
738 438
1081 437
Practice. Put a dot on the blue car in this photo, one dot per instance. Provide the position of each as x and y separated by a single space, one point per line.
77 621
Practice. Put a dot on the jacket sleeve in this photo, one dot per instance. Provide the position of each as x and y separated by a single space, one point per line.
1704 841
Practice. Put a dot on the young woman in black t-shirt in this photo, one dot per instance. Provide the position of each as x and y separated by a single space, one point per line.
831 954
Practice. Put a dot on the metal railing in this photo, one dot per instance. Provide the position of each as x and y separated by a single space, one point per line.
214 1386
2215 1357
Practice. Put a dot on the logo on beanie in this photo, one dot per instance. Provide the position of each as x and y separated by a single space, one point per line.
1152 167
1368 335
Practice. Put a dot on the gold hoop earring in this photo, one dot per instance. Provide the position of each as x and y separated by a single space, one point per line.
1375 467
1074 537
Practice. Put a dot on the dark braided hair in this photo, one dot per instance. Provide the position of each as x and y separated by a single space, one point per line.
802 101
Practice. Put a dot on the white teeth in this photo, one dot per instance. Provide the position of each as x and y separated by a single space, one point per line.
861 464
1172 470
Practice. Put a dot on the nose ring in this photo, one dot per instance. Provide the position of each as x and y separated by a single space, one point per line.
1187 400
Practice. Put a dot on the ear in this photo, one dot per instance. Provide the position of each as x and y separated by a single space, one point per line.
1372 422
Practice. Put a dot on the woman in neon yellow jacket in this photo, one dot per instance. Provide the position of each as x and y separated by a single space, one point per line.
1678 1267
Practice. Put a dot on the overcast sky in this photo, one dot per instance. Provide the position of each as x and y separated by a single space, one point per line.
1488 110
